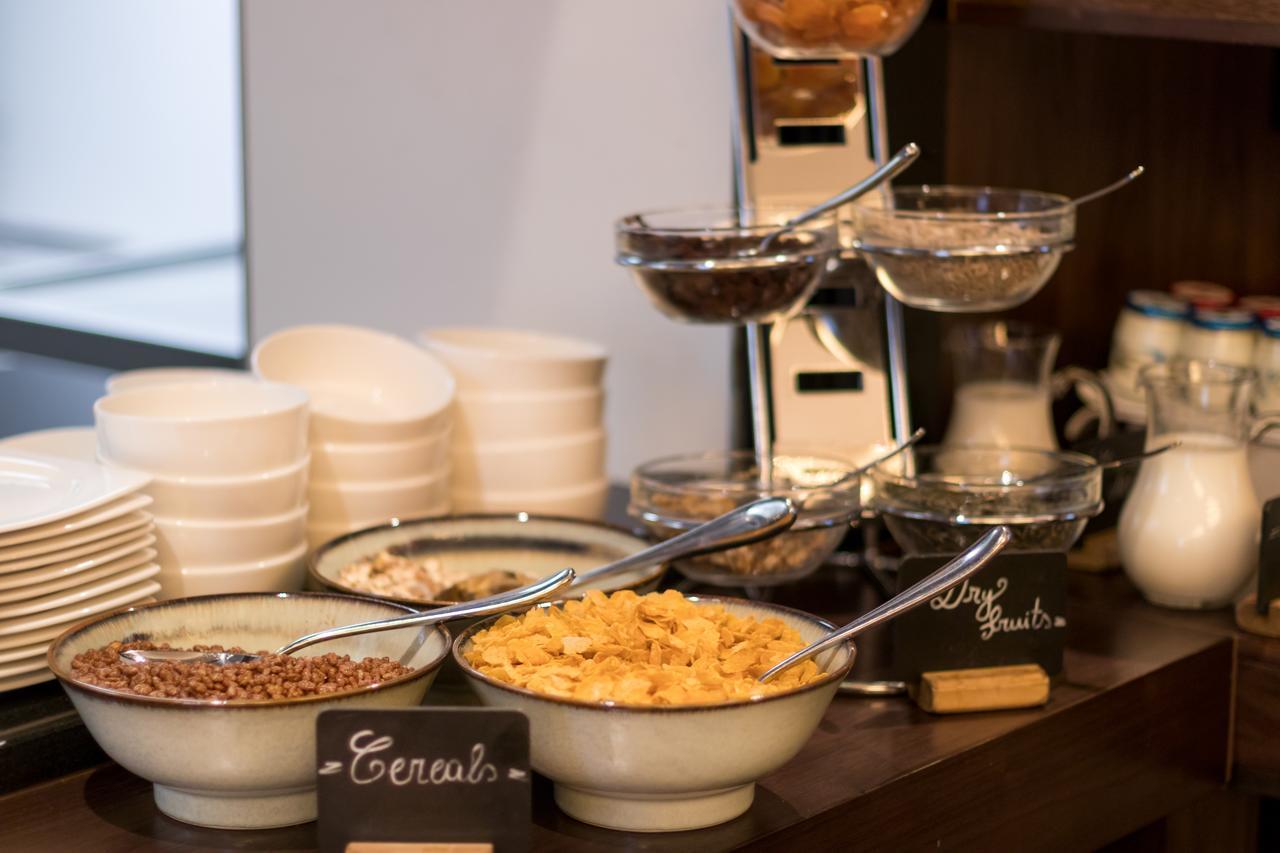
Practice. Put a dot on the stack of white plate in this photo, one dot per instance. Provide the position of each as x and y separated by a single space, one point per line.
381 416
75 541
227 457
529 434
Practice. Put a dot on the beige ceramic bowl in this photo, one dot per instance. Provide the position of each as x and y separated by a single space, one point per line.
245 496
472 544
322 532
344 462
283 572
205 429
587 500
522 415
487 359
182 542
238 765
131 379
365 386
664 769
332 502
545 464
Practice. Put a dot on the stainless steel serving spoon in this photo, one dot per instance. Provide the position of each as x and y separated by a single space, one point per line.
741 526
970 561
891 169
890 453
1111 463
1108 189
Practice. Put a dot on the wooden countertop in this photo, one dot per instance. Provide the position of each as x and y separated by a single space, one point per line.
1137 727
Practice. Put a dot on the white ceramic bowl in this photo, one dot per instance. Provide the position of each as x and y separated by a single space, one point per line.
192 544
585 501
544 464
339 462
664 769
217 429
284 572
246 764
131 379
246 496
365 386
341 502
486 359
322 532
520 416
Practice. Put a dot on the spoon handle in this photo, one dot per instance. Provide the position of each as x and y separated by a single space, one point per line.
481 607
964 565
1109 188
886 456
741 526
887 172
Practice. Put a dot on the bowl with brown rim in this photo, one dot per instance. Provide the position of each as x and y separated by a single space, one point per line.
238 764
666 768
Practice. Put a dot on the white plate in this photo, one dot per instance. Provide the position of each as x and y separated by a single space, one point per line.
75 595
77 551
26 666
11 655
76 579
80 610
56 571
39 489
65 542
68 442
81 521
17 681
16 642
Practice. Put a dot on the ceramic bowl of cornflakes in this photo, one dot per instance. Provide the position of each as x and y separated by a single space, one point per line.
645 711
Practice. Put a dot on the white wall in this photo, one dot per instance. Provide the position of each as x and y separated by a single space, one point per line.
421 162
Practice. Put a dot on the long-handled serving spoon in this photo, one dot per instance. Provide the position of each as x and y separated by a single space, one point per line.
967 563
741 526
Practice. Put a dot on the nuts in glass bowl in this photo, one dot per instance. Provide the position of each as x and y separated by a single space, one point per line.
674 494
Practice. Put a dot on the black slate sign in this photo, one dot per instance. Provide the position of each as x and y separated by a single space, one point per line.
424 775
1012 612
1269 558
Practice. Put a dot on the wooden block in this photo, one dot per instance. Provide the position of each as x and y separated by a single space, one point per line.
403 847
983 689
1249 619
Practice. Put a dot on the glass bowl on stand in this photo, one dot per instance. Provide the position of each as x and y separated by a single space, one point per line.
964 249
675 493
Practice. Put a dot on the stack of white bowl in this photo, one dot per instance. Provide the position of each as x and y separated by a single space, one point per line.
227 457
381 414
529 435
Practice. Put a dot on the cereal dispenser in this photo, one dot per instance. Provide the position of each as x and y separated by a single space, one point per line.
810 119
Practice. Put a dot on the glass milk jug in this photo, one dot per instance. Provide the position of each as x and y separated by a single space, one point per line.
1005 385
1189 530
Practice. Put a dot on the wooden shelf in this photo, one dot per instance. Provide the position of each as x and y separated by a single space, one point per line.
1237 21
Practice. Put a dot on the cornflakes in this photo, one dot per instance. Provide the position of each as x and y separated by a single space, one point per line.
627 649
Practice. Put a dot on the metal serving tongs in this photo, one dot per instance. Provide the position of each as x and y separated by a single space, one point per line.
964 565
741 526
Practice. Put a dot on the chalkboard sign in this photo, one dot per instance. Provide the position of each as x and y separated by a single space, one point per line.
1269 557
1013 611
424 775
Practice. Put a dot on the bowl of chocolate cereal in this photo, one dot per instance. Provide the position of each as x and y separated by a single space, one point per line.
964 249
708 265
233 746
645 710
676 493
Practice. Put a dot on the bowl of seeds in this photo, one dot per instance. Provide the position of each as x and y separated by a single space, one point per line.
675 493
940 500
712 266
964 249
